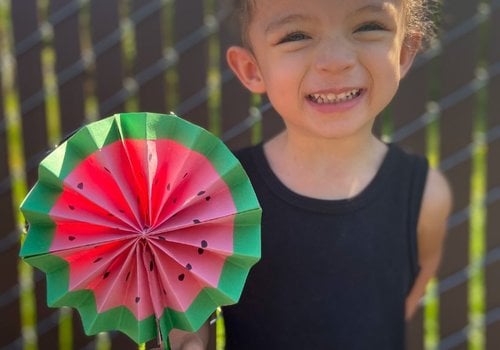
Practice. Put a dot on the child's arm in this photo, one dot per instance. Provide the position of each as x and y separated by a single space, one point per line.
181 340
436 207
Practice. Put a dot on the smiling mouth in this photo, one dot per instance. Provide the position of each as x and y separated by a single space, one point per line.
331 98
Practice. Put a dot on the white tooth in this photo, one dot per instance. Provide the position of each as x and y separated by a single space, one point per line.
333 98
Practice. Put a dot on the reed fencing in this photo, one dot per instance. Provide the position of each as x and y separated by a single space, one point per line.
65 63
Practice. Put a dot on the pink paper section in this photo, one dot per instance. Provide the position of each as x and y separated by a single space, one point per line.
144 223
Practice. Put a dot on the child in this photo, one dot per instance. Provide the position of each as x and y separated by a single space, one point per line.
352 228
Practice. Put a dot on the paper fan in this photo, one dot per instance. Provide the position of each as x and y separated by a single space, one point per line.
142 221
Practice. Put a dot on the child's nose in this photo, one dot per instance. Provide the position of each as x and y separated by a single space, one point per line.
335 54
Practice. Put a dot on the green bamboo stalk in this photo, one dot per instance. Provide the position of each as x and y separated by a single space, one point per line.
387 124
16 165
91 104
431 316
214 100
52 113
65 328
431 308
478 193
53 122
213 70
103 341
53 117
171 74
129 53
477 228
54 134
257 132
91 107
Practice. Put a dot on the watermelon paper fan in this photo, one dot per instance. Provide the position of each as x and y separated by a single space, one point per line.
143 222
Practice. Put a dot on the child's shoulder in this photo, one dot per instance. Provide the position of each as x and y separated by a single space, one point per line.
436 201
436 197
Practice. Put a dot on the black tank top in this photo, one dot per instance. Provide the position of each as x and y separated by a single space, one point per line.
334 274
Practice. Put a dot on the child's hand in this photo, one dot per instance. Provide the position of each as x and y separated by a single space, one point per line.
181 340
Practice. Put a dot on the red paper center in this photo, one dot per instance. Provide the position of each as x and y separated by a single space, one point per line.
144 223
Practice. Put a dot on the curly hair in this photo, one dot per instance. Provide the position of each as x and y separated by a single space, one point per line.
421 18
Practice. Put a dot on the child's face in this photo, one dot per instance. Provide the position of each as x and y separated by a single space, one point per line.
328 66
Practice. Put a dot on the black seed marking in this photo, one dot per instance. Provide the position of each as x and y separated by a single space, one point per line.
161 238
97 260
189 267
186 174
151 265
164 291
80 185
204 244
109 214
150 157
201 193
71 207
107 170
174 200
181 277
137 299
168 186
106 274
121 211
128 276
71 238
201 251
208 198
196 221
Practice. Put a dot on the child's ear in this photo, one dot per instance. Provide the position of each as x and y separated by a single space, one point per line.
410 48
243 64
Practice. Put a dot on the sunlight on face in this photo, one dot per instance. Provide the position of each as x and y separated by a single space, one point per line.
324 59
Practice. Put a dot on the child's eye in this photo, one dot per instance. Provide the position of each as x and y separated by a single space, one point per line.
371 26
295 36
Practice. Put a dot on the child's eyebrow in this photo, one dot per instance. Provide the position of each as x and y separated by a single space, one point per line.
379 8
383 8
281 21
